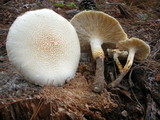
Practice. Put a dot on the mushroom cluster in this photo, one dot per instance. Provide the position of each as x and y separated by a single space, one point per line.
44 47
38 46
95 28
137 49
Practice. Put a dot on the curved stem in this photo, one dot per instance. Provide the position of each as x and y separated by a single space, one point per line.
125 70
116 53
118 63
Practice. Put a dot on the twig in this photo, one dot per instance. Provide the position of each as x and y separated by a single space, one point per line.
131 84
6 70
12 102
124 11
37 109
111 76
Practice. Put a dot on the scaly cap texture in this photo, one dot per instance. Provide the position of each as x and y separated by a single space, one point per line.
44 47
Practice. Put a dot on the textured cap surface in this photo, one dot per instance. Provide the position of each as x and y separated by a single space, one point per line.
142 49
44 47
97 25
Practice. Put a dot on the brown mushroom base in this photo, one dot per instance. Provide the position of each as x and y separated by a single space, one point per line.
99 80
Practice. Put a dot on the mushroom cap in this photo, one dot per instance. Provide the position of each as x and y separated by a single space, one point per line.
44 47
97 25
142 48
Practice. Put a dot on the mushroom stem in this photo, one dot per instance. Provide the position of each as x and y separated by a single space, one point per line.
96 48
118 63
99 81
98 55
115 53
125 70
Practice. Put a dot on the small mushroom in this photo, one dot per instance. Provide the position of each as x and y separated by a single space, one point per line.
44 47
137 49
95 28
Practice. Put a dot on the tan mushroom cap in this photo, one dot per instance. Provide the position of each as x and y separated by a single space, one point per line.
142 49
97 25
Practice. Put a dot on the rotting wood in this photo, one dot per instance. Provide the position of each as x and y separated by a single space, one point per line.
74 101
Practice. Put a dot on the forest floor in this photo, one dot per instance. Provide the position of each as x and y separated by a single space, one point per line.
20 99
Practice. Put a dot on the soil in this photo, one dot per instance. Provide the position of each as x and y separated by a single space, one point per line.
21 100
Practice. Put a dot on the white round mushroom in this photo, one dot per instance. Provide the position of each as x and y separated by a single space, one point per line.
44 47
